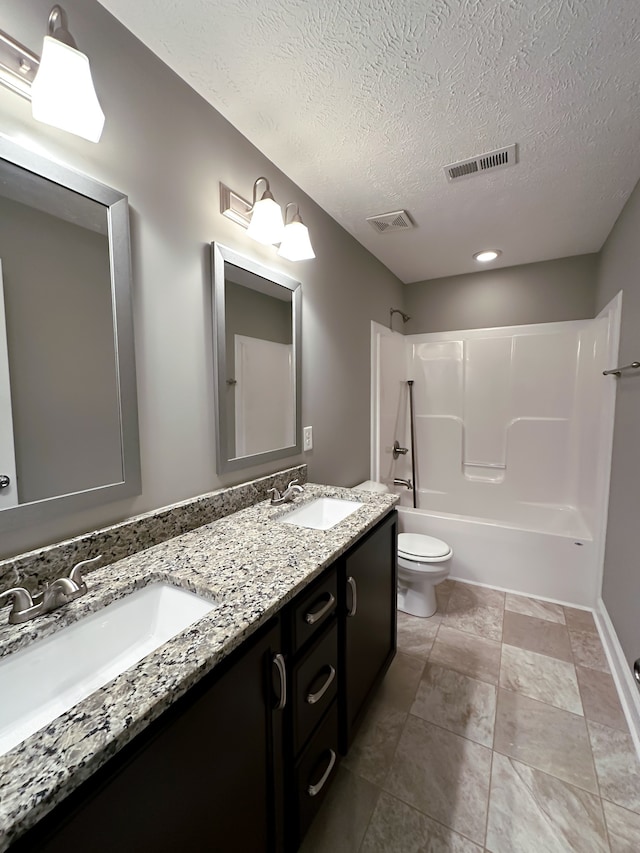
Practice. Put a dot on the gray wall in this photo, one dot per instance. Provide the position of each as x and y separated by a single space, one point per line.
62 365
544 292
168 150
619 269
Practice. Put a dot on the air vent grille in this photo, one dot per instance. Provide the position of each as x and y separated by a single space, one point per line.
499 159
397 220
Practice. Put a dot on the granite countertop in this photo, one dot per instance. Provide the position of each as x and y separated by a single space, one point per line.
248 563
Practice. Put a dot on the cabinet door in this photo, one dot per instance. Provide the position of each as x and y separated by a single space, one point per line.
202 781
369 621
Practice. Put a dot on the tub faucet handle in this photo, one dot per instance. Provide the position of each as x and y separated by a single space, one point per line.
397 450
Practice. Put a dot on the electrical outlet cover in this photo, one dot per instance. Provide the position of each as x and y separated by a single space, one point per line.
307 438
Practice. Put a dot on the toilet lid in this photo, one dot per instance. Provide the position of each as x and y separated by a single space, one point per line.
416 546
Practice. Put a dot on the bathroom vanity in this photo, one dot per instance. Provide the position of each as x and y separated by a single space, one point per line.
229 735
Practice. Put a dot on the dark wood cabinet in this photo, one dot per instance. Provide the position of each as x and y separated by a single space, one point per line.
205 776
368 642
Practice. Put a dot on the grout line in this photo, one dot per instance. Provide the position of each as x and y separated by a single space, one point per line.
548 773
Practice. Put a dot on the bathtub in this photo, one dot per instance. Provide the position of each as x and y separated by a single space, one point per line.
537 549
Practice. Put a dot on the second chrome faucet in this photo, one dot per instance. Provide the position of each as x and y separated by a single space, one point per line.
289 494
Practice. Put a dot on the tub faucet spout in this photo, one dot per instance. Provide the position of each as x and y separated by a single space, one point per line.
397 481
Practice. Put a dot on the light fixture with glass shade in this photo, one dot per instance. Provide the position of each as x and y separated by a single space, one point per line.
296 244
266 225
59 84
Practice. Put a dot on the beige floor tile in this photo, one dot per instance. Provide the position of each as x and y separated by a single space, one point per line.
456 702
443 775
580 620
397 828
471 655
399 686
600 698
534 607
624 828
372 751
587 650
540 677
546 738
416 635
617 766
476 610
341 823
537 635
531 812
443 593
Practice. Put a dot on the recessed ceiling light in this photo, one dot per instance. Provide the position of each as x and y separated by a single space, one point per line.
487 255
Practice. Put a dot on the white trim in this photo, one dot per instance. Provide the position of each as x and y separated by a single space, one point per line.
621 672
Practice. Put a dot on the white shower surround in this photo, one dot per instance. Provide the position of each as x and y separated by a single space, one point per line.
535 526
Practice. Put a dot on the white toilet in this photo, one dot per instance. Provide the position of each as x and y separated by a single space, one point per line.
423 562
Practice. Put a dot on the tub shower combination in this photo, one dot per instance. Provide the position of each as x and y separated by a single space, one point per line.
510 448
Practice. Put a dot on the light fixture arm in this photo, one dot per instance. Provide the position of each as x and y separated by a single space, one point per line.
58 29
296 216
266 194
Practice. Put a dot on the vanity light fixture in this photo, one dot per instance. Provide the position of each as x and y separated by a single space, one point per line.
58 84
296 244
487 255
266 225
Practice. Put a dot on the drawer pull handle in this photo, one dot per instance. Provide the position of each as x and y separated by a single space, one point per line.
312 618
278 661
312 698
314 790
354 596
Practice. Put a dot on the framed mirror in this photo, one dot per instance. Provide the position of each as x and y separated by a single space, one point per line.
68 405
256 325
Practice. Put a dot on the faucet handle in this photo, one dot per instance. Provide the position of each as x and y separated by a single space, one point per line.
20 598
75 574
275 495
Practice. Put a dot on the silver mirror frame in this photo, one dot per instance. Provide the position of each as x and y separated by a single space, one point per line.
117 210
220 255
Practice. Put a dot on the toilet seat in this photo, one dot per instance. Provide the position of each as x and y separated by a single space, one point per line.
418 548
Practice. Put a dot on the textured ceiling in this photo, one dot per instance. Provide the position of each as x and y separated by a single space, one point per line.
362 102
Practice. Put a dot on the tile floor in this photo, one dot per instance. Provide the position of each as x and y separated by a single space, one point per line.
498 728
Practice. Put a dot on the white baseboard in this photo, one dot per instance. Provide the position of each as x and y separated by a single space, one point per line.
622 675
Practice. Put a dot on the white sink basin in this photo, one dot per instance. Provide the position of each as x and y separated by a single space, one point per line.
321 514
47 678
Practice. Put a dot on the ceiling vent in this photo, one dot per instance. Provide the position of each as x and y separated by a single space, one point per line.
499 159
397 220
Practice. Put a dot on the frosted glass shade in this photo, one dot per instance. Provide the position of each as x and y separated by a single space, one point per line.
296 245
63 94
266 224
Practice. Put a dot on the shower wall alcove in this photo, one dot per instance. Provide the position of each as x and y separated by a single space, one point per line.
513 431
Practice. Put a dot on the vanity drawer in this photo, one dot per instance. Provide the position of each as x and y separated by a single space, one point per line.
315 685
316 769
314 609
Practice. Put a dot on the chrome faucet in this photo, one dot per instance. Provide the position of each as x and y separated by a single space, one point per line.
289 493
60 591
399 482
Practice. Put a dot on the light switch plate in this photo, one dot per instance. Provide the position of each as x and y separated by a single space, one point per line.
307 438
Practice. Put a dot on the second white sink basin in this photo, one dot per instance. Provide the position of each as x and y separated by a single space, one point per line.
321 514
47 678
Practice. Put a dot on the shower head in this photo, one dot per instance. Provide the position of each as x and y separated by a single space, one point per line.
393 311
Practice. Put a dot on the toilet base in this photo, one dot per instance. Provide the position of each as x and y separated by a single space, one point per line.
418 599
